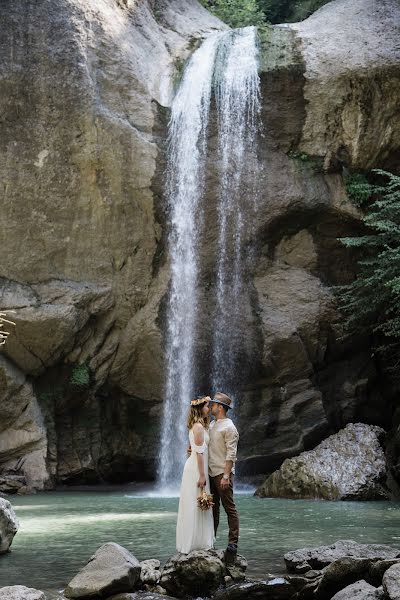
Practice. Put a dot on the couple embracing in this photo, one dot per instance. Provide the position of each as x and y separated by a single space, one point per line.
210 468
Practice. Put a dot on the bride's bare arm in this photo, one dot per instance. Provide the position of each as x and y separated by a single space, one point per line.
198 434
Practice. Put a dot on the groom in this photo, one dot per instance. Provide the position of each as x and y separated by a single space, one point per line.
222 452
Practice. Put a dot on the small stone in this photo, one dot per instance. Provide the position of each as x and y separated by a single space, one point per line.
150 571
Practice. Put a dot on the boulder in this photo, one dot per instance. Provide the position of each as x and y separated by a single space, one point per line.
340 573
111 570
349 465
276 588
360 590
9 525
237 571
391 582
378 568
150 571
178 578
322 556
20 592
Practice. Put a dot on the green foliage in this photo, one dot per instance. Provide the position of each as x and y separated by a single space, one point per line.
80 376
237 13
315 162
241 13
371 303
276 11
358 188
300 156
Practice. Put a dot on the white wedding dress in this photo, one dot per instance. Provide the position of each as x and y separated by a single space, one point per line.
195 527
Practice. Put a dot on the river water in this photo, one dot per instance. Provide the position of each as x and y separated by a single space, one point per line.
61 530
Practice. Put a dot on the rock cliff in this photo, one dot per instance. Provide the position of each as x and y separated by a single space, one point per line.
84 96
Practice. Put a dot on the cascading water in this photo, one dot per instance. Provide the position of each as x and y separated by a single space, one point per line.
238 106
226 62
187 148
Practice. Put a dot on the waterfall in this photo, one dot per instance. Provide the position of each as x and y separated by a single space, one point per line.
187 149
226 63
238 106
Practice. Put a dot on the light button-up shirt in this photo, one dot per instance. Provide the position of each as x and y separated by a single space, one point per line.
222 446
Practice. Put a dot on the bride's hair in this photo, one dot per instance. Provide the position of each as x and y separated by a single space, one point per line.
195 414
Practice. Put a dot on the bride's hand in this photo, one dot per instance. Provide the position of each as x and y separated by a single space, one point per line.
201 482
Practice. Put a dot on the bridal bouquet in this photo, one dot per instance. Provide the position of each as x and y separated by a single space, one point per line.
205 501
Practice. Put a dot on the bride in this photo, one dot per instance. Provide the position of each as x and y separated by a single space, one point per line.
195 528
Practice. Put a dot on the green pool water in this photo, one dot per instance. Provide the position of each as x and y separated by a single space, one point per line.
61 530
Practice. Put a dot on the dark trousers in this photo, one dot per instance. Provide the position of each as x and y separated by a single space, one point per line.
226 497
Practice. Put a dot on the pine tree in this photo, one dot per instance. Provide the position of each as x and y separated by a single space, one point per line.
371 303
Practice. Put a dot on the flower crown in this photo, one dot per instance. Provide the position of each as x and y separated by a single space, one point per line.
198 401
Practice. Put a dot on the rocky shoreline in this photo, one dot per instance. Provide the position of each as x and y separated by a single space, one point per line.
344 570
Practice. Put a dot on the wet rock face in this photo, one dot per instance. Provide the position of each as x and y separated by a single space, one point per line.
85 104
349 465
9 525
23 436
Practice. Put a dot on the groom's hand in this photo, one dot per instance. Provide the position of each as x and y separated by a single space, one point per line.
224 484
189 451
